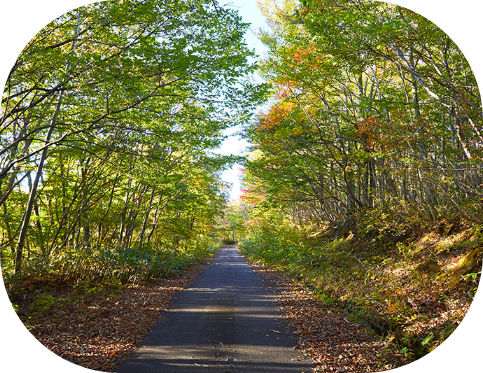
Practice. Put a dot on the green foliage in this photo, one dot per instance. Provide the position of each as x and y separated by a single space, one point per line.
90 269
327 299
127 99
15 307
42 303
356 182
427 339
360 129
405 351
276 242
388 279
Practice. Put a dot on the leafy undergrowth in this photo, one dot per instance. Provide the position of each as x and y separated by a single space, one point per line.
117 264
410 285
96 326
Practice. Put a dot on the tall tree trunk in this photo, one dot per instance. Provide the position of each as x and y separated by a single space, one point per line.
124 210
11 183
35 184
37 214
156 216
10 236
100 236
33 192
146 217
87 232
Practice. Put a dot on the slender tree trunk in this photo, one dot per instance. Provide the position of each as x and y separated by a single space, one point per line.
124 211
111 238
87 232
37 214
146 217
11 183
10 236
404 186
35 184
156 217
33 193
100 226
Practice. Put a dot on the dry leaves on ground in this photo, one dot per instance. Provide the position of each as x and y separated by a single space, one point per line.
99 331
333 342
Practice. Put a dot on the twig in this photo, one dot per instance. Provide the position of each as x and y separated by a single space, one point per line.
149 296
362 264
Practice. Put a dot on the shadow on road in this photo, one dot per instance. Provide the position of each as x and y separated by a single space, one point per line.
224 322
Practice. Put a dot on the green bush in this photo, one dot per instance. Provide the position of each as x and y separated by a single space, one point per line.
119 265
42 303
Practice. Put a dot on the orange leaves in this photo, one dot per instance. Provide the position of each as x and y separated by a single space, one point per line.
300 54
285 89
367 130
255 221
379 133
308 56
286 118
367 125
275 116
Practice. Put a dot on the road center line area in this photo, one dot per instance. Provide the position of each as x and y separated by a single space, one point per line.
225 322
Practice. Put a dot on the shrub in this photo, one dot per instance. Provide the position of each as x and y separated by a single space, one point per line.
120 264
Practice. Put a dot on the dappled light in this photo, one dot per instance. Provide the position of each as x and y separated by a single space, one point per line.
225 319
355 244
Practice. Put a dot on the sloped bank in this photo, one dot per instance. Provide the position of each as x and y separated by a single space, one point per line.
324 332
410 285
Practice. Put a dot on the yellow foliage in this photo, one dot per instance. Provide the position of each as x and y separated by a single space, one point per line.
273 10
468 261
276 114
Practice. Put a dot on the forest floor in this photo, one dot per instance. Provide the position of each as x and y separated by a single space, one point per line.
99 326
409 287
325 334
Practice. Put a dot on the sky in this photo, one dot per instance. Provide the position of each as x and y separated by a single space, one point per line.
250 13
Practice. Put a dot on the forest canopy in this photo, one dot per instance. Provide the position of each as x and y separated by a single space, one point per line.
374 107
109 118
364 179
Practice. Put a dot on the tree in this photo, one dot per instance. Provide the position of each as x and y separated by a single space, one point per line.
375 107
111 110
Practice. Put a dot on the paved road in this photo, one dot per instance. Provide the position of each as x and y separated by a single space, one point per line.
224 322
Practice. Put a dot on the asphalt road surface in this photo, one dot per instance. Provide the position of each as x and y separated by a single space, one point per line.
225 322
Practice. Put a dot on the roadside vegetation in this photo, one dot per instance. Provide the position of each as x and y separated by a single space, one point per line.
108 175
110 117
363 180
96 325
411 285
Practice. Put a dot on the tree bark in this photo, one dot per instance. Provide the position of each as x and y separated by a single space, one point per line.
146 217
